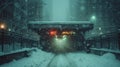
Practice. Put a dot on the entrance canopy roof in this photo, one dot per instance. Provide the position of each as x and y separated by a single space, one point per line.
78 25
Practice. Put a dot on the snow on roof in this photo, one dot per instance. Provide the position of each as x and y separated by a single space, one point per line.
60 22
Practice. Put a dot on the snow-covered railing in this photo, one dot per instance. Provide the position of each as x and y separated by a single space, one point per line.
15 55
106 50
102 51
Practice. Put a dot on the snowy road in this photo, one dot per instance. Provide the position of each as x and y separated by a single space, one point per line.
61 60
78 59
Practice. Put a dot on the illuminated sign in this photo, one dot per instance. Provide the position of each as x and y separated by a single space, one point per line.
68 33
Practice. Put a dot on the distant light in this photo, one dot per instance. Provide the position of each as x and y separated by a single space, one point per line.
64 37
93 17
100 28
9 29
2 26
60 42
68 33
53 33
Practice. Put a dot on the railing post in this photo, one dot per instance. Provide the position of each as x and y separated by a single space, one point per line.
2 39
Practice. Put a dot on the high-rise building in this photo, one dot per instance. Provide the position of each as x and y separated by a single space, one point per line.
6 10
34 9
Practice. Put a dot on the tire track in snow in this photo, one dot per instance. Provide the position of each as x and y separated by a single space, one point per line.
51 60
61 60
45 63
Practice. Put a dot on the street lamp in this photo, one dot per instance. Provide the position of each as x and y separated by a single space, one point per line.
2 28
93 18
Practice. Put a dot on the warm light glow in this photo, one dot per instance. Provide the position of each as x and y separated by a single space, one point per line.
60 43
53 33
68 32
2 26
65 33
64 37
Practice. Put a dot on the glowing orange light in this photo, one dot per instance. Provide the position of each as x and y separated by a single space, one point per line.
52 33
65 33
68 32
2 26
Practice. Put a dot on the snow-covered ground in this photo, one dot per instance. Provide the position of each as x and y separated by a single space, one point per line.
16 51
79 59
